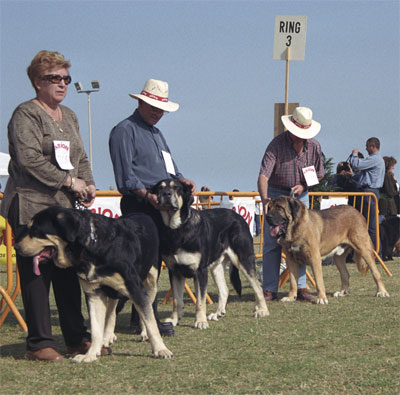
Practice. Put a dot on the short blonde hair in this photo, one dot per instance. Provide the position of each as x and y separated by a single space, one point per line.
45 60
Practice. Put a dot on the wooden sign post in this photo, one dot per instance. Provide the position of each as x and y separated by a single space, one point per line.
289 44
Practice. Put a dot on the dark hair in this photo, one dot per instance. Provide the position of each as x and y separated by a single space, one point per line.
374 141
389 162
343 166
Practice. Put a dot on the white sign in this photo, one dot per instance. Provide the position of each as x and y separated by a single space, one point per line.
61 150
331 202
290 31
310 175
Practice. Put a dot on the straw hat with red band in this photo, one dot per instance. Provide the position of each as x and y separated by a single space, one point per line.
155 93
301 124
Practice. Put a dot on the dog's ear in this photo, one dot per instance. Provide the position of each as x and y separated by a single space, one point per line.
69 225
187 193
295 206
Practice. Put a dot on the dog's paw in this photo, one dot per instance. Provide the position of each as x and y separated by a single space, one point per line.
382 294
87 358
342 293
173 321
109 340
164 354
144 335
201 325
322 301
288 299
259 313
216 316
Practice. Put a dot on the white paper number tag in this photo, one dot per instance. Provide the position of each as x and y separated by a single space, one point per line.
169 165
310 175
62 150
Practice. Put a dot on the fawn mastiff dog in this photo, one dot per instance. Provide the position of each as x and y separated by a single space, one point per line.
308 236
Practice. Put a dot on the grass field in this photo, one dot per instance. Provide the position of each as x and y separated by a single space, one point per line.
350 346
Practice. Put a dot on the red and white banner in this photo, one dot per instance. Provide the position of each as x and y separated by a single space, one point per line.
244 206
108 206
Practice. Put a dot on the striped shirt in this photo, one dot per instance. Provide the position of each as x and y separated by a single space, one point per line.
282 165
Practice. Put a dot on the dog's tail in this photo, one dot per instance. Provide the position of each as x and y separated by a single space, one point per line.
362 265
235 279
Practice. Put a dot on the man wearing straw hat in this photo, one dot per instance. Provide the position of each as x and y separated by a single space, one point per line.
287 161
141 158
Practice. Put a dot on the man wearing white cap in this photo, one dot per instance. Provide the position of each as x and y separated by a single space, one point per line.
141 157
288 160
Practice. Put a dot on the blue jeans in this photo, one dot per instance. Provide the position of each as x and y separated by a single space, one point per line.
272 250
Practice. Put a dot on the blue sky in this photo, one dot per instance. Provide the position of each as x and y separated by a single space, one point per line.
217 58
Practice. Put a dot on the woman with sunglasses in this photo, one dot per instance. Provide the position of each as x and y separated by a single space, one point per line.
48 167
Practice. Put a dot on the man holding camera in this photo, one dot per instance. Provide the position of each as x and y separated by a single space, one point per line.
370 178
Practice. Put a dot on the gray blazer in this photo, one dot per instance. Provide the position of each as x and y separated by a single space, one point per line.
35 176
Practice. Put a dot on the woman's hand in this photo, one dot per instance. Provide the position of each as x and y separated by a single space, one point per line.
89 196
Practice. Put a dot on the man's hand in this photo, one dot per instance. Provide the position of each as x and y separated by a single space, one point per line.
153 200
297 190
190 183
265 203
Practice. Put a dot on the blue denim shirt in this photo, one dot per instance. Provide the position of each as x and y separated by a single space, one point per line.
136 153
372 170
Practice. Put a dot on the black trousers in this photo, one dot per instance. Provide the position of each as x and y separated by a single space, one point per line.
132 204
364 212
35 296
372 218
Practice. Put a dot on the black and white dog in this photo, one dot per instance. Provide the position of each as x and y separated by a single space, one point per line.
193 241
112 257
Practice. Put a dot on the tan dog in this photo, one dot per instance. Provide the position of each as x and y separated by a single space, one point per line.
308 236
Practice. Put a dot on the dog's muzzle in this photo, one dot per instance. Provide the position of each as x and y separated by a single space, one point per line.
277 228
167 200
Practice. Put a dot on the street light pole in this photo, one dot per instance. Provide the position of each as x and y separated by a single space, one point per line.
95 88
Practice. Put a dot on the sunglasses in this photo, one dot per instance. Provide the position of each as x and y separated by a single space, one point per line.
56 78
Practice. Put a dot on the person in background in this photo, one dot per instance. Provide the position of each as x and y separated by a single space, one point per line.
257 216
48 167
282 173
370 177
389 192
141 158
204 199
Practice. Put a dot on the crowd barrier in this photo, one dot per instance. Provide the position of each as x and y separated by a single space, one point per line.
245 203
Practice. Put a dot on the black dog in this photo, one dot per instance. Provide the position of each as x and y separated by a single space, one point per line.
389 231
193 241
112 257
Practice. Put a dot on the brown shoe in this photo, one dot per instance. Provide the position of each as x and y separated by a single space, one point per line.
83 348
302 294
269 295
47 354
